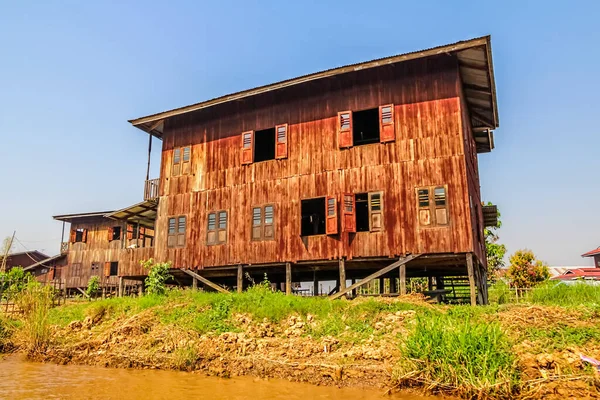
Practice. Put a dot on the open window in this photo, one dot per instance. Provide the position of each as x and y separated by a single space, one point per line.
79 235
369 212
263 222
312 216
373 125
265 144
114 233
432 204
176 231
217 228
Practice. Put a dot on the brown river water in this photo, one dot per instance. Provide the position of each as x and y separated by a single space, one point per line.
20 379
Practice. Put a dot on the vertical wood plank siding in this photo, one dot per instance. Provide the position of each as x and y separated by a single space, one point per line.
429 150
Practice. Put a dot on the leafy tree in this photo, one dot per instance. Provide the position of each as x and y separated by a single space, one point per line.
495 252
525 270
158 275
93 286
14 280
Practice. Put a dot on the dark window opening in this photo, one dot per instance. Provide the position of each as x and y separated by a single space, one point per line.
264 145
362 212
365 126
313 216
116 233
79 235
114 268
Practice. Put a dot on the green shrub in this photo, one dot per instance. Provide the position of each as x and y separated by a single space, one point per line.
158 275
93 286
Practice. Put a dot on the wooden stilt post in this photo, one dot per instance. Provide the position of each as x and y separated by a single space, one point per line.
240 278
315 283
381 285
141 292
484 285
471 273
439 282
402 279
393 285
430 283
194 284
354 291
342 267
120 286
288 278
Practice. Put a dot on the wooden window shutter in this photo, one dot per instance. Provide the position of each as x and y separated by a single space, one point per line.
349 213
375 212
222 228
247 147
107 268
142 233
331 218
344 128
129 232
73 236
181 228
387 127
84 236
441 206
51 273
211 235
176 161
281 141
186 160
424 206
256 223
171 236
110 234
269 223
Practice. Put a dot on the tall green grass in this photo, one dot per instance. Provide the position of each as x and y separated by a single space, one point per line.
458 354
556 294
35 301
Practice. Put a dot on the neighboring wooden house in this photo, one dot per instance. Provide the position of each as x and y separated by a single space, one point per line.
367 170
48 269
23 259
595 255
578 274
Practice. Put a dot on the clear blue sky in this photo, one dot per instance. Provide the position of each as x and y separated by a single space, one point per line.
73 72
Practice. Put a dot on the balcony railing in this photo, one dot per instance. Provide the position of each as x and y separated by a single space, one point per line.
64 247
151 189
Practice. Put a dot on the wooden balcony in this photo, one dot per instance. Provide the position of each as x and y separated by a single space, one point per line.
151 189
64 247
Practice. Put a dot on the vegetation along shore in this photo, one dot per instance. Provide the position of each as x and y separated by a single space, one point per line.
529 349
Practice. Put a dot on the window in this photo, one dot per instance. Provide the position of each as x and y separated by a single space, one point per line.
266 144
367 126
217 228
114 268
369 212
95 271
313 216
181 160
432 204
176 231
114 233
79 235
76 270
262 223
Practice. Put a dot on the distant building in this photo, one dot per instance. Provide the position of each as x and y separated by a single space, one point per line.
23 259
579 274
596 256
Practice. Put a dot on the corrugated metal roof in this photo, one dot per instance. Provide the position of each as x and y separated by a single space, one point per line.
475 67
591 253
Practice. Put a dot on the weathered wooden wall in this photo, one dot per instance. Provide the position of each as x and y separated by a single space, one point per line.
429 150
98 249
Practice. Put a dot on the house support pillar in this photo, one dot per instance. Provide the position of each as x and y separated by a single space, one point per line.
120 286
402 279
194 284
342 267
288 278
240 278
381 285
472 279
315 283
393 285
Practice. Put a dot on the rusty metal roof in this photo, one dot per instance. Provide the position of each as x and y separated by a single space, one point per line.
143 213
476 69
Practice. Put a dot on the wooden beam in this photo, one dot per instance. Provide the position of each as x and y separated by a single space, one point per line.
83 292
469 65
482 119
403 279
120 293
315 284
205 281
471 274
194 284
476 88
288 278
374 275
342 267
240 278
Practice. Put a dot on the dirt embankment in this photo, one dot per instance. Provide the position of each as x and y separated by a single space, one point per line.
285 350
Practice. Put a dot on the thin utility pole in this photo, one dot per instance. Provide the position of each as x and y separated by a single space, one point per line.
6 252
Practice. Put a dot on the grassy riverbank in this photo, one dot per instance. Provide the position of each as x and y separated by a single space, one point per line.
526 349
